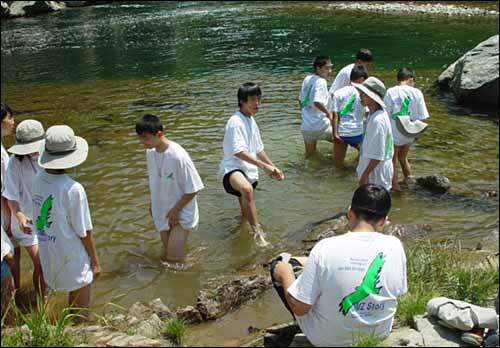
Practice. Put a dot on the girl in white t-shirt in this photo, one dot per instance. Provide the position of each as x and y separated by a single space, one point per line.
61 216
23 167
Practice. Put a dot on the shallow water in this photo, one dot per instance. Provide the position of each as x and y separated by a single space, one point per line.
98 69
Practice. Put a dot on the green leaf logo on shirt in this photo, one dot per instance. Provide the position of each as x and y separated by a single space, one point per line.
169 177
367 287
307 99
404 109
389 147
348 107
43 219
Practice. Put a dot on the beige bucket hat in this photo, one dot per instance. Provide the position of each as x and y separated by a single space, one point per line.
30 137
409 128
62 150
373 88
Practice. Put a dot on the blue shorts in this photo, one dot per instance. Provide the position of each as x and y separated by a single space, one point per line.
5 270
353 141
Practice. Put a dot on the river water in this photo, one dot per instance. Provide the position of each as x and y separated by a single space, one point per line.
98 69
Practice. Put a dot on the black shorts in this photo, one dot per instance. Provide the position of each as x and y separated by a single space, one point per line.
297 270
227 184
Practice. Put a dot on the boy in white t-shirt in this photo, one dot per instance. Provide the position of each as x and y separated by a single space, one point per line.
314 100
404 100
375 163
7 127
350 283
22 170
348 116
61 217
363 57
244 154
174 184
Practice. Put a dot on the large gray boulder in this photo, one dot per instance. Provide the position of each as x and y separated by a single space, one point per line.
30 8
473 78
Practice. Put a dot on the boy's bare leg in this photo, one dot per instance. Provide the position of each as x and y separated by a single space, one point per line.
241 184
247 200
310 148
38 282
80 300
165 235
395 182
242 208
177 244
403 160
339 152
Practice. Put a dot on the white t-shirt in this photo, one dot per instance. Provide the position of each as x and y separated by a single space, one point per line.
61 217
241 134
5 163
172 174
347 103
7 246
18 188
334 273
314 89
406 101
342 79
378 145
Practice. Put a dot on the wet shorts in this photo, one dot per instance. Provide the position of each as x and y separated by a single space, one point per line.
353 141
297 270
227 184
5 270
313 136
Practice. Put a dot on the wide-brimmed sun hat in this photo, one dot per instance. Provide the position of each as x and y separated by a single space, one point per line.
409 128
62 150
373 88
30 137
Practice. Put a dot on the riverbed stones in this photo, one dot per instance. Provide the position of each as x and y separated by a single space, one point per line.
150 328
473 78
189 314
160 309
435 335
435 183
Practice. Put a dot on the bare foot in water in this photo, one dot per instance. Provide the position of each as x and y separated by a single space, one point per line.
259 236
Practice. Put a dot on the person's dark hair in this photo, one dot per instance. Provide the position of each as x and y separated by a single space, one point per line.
405 74
358 72
320 62
365 55
249 89
6 111
371 203
150 124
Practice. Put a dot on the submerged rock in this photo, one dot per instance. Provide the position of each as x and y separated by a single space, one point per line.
473 78
435 183
213 304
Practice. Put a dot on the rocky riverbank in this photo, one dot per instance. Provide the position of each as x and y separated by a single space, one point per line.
412 9
13 9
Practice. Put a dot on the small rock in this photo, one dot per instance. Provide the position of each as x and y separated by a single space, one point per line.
160 309
140 311
136 341
435 183
150 328
190 315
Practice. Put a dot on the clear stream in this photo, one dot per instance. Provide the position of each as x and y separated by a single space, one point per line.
98 69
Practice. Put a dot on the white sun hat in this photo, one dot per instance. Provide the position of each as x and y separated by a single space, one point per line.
62 150
30 137
373 88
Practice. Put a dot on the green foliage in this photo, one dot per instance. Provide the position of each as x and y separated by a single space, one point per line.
174 330
443 270
368 340
35 329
